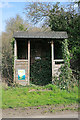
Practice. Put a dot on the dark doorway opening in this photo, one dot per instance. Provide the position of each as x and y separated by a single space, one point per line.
41 70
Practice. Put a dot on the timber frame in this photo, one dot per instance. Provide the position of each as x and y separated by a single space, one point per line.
25 63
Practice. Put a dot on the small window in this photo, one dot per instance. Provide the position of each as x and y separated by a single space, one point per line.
22 49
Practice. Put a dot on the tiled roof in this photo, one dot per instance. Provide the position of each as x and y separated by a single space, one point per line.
50 34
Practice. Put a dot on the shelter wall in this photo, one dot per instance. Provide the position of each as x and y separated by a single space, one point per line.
21 65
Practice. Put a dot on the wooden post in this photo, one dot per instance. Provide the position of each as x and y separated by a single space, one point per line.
15 56
15 50
28 61
52 51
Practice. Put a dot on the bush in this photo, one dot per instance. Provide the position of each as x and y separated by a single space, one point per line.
7 59
66 78
41 72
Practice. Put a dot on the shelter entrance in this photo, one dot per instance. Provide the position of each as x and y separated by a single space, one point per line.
40 65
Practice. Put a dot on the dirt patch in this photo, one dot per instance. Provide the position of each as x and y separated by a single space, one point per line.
41 111
32 90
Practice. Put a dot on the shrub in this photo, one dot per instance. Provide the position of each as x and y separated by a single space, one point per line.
41 72
66 78
7 59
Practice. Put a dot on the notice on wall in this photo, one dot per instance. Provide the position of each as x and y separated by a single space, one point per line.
21 74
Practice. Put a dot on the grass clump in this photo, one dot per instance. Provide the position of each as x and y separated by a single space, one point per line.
52 87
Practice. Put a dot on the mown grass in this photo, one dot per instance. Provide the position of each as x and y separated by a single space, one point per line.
35 96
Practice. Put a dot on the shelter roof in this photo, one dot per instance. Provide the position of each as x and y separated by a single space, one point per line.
50 34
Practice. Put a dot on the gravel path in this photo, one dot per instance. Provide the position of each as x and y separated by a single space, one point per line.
67 114
40 112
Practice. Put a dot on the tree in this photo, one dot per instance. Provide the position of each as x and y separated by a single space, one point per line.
37 11
16 24
12 25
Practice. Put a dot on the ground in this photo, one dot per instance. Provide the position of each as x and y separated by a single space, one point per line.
70 111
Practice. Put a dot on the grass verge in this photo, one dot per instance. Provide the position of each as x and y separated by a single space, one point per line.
36 95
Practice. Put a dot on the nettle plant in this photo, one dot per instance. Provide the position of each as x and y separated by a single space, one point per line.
66 79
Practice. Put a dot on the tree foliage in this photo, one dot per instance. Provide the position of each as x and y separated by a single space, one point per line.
16 24
36 11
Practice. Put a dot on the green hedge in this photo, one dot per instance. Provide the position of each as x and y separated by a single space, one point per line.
41 72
